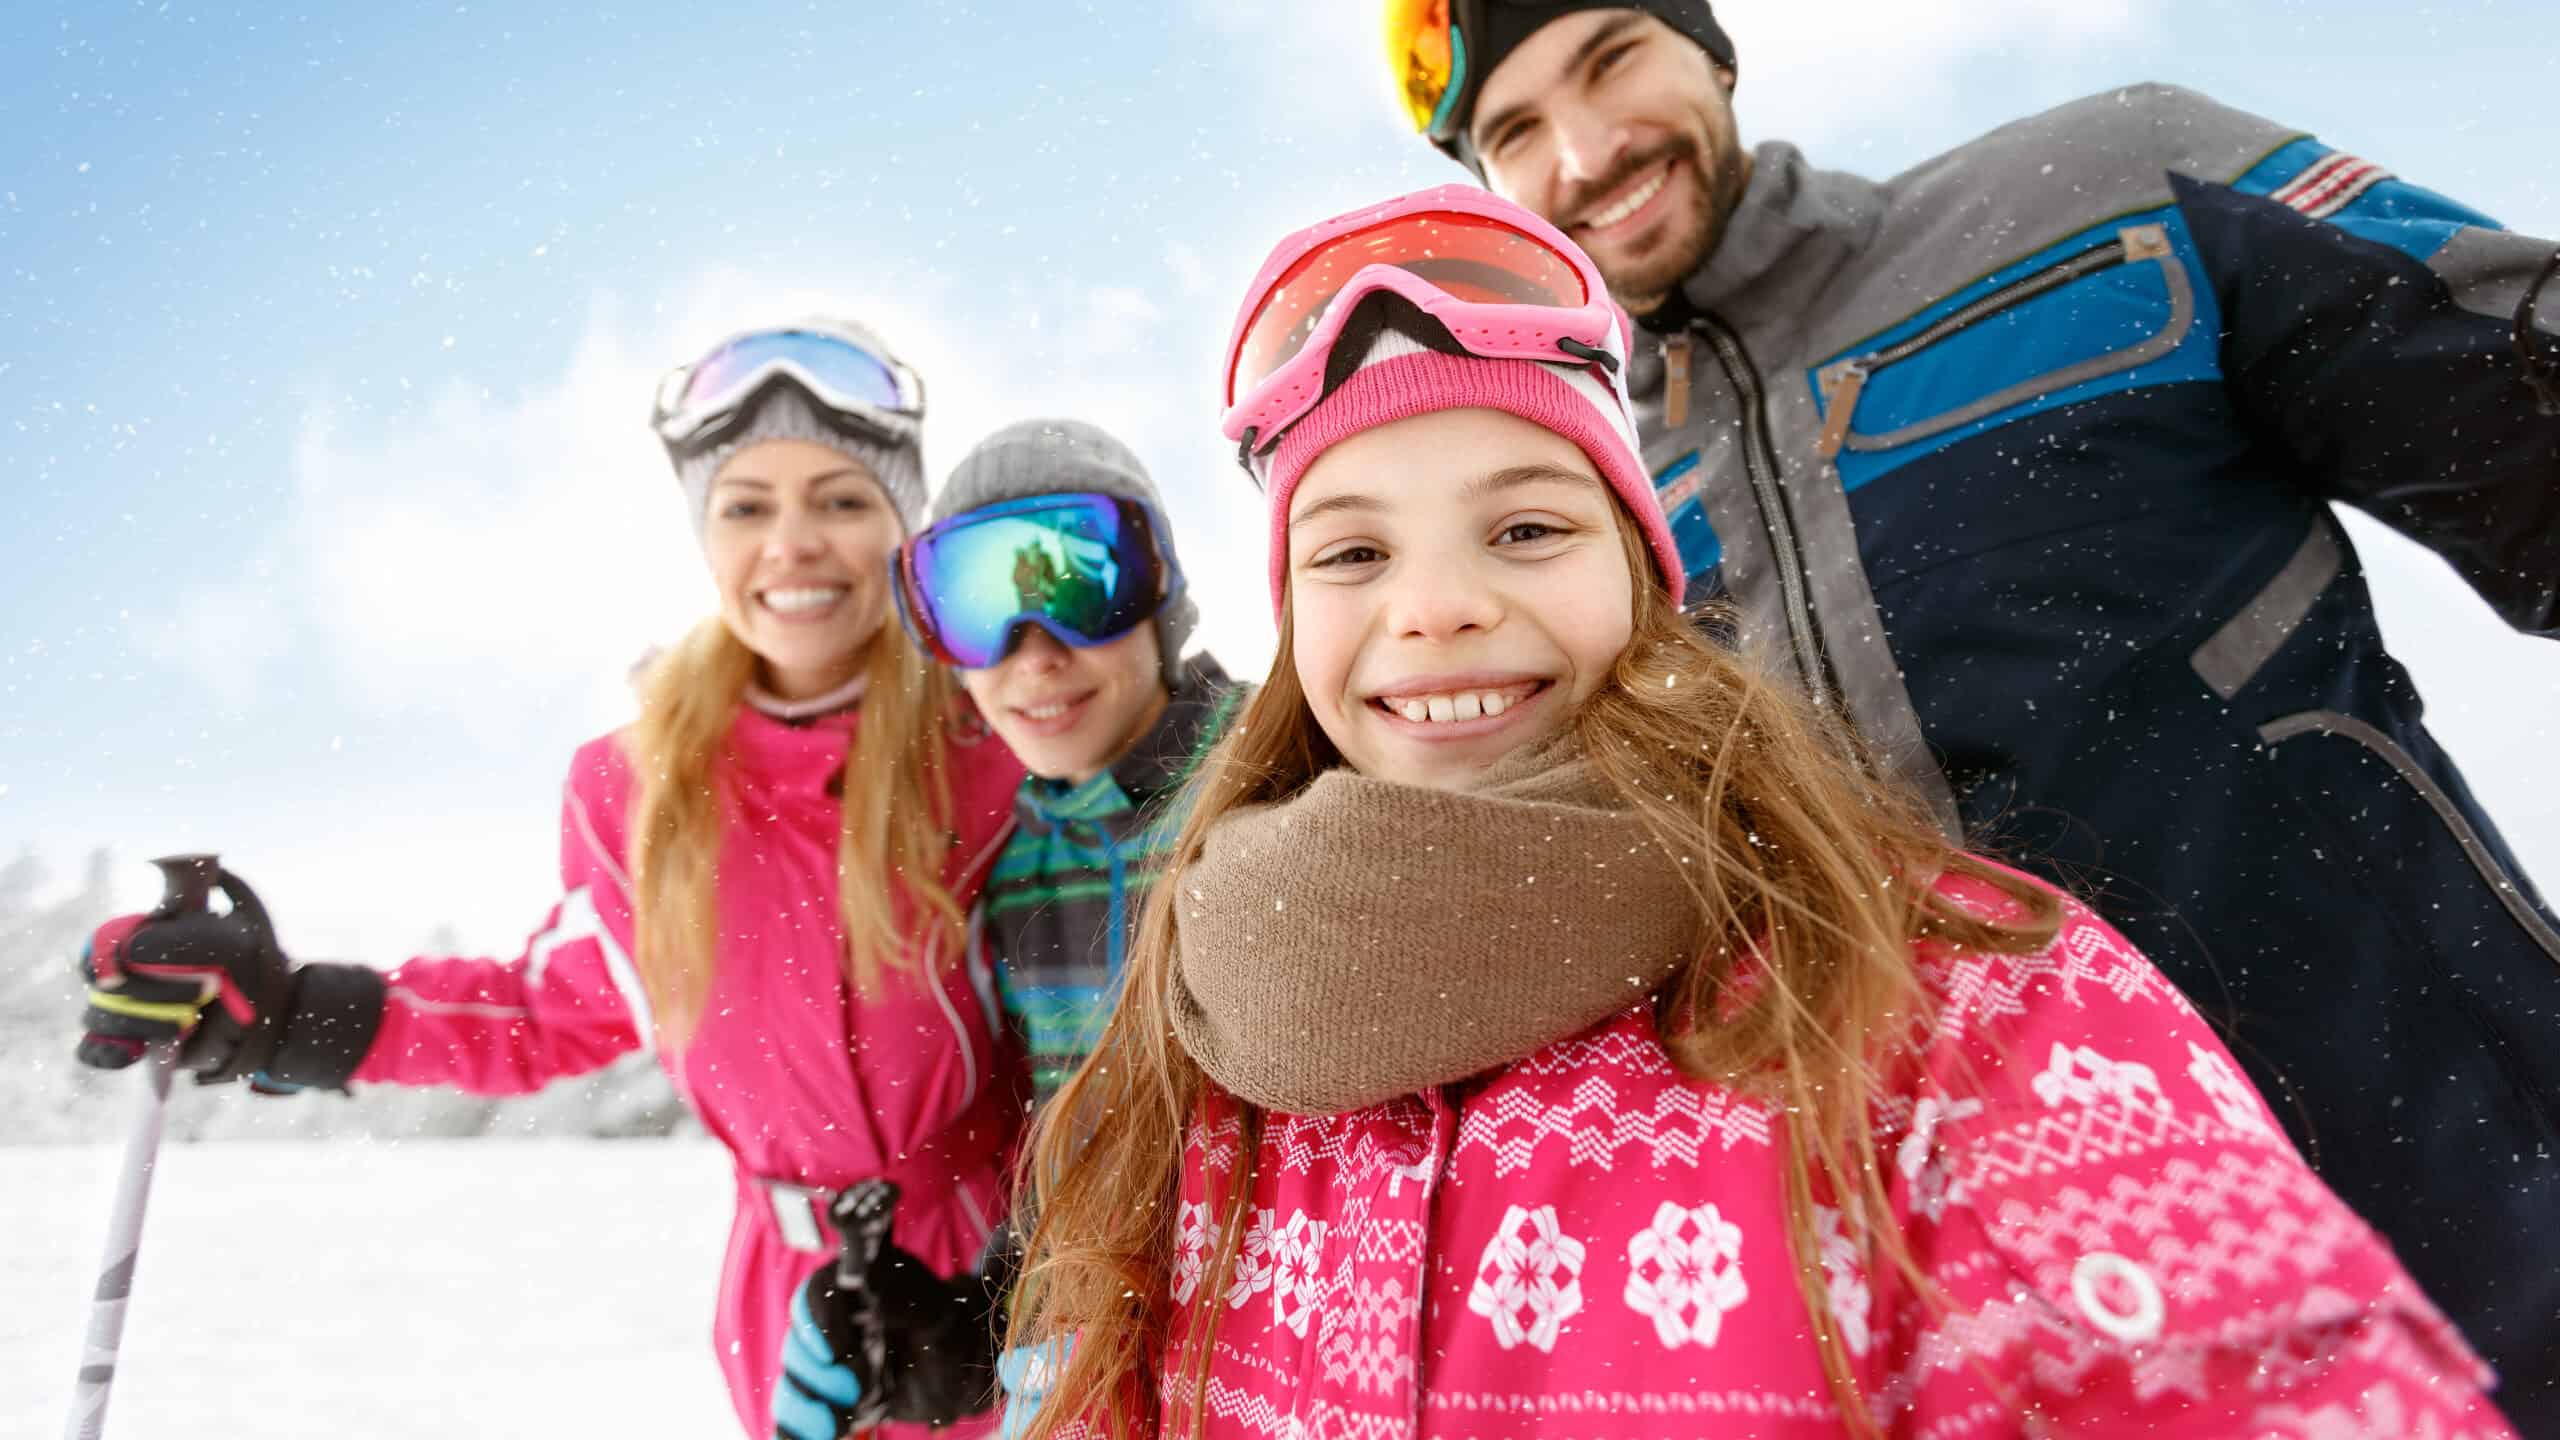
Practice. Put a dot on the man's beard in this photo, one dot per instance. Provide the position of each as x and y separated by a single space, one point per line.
1643 285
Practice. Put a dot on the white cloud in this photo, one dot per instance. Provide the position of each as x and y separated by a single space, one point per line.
1190 271
225 633
1111 321
530 546
1830 76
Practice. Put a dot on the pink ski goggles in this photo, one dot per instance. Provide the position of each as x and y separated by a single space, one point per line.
1504 283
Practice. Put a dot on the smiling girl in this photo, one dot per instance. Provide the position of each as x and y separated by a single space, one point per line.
1544 1027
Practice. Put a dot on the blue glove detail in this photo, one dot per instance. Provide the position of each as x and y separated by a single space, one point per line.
797 1417
817 1390
809 1358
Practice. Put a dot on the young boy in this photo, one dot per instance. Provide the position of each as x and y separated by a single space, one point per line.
1049 580
1088 688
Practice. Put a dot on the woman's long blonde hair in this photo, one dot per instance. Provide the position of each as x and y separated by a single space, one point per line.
1814 878
897 804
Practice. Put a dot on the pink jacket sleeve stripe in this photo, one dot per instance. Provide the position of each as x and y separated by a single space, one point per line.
509 1027
578 920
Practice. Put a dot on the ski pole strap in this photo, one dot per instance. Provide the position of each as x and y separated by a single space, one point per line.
181 1013
800 1214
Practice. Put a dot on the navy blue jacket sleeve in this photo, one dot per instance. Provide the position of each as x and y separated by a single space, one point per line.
2368 334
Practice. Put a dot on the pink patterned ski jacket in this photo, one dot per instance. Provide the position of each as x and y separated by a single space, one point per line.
1589 1245
806 1082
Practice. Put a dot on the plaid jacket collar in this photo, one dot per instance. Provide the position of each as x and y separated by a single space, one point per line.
1159 762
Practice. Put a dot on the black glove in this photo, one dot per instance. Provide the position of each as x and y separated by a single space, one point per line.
219 986
879 1337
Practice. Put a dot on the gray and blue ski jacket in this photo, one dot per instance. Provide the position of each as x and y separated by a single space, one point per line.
2025 460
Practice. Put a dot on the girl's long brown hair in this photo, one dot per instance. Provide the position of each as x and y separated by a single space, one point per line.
1815 878
896 808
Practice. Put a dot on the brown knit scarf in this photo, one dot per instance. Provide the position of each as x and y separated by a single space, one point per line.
1364 940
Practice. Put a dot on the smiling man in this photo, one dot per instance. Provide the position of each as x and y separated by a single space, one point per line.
2024 462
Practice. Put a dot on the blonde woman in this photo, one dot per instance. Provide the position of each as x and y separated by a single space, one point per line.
766 873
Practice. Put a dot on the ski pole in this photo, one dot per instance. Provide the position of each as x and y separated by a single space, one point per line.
186 883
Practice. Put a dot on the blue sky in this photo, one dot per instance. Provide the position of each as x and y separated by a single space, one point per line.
325 336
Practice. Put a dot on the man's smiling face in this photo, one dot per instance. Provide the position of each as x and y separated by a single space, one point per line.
1619 130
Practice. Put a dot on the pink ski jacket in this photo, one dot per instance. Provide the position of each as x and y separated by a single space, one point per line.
806 1082
1589 1245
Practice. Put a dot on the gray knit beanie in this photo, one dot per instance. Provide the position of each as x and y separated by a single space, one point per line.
1051 457
787 413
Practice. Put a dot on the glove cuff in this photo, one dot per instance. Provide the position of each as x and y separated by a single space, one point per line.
336 1010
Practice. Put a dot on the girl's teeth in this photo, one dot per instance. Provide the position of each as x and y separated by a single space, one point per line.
790 601
1047 712
1445 709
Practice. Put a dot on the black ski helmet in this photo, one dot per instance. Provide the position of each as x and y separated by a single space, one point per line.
1486 31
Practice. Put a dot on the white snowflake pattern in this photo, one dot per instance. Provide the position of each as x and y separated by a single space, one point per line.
1190 1251
2222 1084
2082 1076
1297 1258
1253 1259
1685 1283
1529 1281
1846 1279
1924 1162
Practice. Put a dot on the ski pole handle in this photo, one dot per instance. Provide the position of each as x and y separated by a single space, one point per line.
187 883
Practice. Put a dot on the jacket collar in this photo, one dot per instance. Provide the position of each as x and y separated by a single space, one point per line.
769 753
843 697
1793 229
1159 762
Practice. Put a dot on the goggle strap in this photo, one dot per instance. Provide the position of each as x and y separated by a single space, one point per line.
717 425
1440 116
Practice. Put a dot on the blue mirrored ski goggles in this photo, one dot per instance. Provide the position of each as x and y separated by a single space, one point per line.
1087 568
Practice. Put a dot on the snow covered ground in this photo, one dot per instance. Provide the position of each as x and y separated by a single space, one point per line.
392 1290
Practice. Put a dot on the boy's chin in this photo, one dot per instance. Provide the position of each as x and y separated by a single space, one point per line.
1051 761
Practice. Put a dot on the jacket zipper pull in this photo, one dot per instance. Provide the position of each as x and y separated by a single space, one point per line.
1675 380
1840 386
